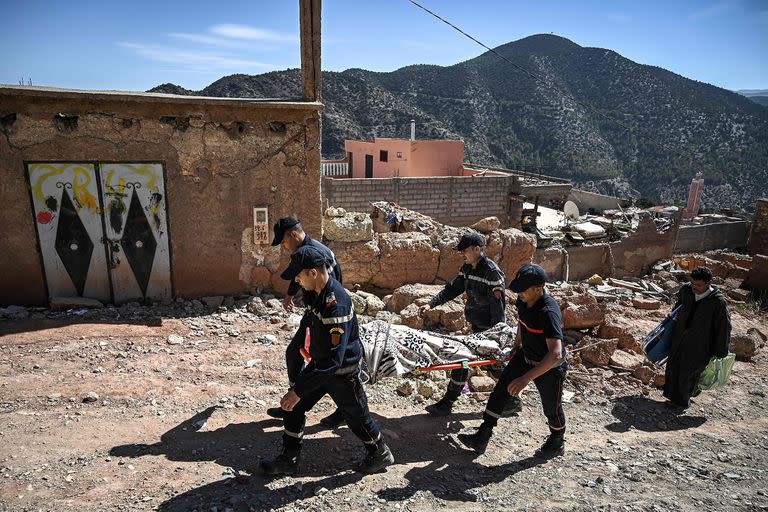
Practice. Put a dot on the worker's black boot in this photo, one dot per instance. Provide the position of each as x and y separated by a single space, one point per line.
442 407
552 447
335 419
376 459
287 463
276 412
513 406
479 440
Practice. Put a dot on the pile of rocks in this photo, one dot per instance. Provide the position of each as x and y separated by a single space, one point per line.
394 246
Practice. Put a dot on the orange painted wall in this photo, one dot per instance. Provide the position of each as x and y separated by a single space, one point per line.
407 158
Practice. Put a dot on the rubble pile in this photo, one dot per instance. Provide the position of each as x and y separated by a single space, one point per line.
393 246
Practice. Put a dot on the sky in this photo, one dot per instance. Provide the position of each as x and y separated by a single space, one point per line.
137 45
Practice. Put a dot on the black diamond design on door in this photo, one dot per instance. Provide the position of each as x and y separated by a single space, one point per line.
139 243
73 244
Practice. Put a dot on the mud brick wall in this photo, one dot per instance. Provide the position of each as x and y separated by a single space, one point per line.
221 158
450 200
758 237
632 256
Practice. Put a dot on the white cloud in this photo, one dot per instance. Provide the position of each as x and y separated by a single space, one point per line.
251 33
207 40
195 60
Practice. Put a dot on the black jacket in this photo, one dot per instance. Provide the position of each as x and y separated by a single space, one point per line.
334 339
484 286
702 331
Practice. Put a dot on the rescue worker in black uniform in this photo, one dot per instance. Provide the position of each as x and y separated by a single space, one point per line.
290 235
334 368
483 282
539 356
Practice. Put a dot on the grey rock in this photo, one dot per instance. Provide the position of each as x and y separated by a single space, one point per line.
213 301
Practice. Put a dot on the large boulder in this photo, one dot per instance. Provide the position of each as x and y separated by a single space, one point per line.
359 260
611 329
349 227
583 316
486 225
745 345
643 303
595 351
373 304
450 260
410 317
626 360
405 258
411 293
450 315
517 250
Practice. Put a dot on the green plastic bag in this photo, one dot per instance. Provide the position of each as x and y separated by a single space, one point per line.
716 374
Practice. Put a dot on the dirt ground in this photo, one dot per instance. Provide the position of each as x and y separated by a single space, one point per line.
178 424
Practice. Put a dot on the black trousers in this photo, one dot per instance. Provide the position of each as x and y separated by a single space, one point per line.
549 385
348 393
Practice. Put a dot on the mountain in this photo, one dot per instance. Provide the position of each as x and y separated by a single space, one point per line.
588 114
759 96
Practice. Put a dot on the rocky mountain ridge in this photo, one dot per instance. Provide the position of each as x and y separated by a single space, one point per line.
588 114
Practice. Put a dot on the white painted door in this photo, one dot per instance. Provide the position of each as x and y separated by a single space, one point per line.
136 230
65 199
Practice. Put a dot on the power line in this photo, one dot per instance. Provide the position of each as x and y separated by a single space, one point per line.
532 75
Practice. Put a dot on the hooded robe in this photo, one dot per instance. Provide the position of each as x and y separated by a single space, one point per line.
702 331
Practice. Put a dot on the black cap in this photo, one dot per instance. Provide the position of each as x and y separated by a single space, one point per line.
282 226
469 240
303 258
528 275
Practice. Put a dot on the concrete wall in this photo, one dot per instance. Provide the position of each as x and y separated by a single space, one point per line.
758 237
599 202
718 235
221 157
450 200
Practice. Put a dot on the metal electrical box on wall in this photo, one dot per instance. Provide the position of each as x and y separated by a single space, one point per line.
260 225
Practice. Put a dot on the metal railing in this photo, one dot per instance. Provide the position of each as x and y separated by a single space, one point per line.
338 169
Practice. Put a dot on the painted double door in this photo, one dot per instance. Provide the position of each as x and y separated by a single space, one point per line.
102 229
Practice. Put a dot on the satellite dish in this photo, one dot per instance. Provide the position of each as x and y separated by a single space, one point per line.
571 211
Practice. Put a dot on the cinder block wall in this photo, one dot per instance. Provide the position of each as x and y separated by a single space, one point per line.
450 200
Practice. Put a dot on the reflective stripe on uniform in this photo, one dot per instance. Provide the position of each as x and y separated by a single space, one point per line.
375 440
297 435
332 320
458 382
500 282
492 414
336 320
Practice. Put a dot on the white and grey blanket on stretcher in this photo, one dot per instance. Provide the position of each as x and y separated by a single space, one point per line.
392 350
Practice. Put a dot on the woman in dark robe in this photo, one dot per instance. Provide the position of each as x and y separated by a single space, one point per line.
702 331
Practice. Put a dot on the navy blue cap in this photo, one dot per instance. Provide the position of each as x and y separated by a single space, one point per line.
528 275
282 226
469 240
303 258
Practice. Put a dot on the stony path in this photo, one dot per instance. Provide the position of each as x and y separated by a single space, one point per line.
175 423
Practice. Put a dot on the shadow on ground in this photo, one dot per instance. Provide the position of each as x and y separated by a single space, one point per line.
643 413
325 460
